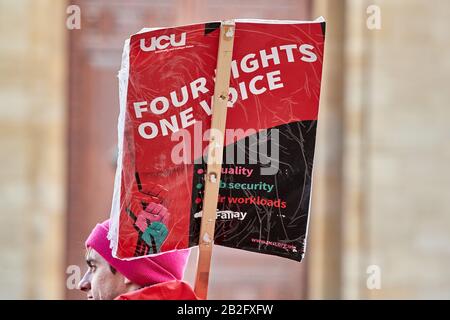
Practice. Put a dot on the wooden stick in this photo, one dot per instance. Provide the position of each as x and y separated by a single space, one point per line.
215 155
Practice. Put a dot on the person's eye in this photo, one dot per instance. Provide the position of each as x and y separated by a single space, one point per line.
92 268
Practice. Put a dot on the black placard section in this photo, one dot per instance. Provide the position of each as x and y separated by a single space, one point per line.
264 194
211 26
323 25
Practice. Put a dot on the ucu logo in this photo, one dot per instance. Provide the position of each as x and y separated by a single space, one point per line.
163 42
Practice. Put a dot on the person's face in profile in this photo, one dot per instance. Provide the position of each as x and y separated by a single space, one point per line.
101 282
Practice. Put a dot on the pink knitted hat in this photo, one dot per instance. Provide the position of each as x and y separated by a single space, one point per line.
143 271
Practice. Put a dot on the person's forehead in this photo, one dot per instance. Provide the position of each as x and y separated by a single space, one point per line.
93 255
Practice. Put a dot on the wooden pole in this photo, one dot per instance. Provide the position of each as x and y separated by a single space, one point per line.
215 155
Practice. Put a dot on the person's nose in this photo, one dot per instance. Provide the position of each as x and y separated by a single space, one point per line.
85 282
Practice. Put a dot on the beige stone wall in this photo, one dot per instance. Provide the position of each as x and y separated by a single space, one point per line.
323 254
32 148
395 209
408 148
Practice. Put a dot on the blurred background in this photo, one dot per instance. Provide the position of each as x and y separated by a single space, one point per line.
380 217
